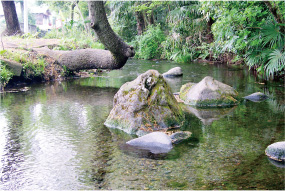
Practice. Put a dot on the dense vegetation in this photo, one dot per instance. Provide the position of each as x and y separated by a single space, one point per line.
250 33
247 33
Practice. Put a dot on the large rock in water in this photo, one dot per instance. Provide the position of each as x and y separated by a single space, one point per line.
145 105
156 142
208 93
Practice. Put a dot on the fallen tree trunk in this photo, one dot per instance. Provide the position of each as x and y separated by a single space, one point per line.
83 59
114 58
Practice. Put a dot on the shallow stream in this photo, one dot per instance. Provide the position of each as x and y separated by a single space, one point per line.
53 137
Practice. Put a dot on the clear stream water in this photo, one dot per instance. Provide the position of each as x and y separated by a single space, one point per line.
53 137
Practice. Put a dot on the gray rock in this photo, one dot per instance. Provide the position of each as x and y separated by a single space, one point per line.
14 66
174 72
174 83
180 136
144 105
256 97
276 151
156 142
208 93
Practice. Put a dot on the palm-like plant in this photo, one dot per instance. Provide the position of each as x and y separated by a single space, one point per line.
269 58
276 63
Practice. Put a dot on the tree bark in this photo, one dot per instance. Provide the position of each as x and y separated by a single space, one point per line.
210 36
11 18
140 22
83 59
99 22
72 12
114 58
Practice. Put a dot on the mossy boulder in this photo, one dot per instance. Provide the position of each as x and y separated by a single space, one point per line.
144 105
208 93
276 151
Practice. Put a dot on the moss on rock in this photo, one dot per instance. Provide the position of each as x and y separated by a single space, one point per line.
145 105
208 93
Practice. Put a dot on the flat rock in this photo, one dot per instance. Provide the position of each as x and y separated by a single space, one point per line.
174 72
276 151
256 97
208 93
144 105
156 142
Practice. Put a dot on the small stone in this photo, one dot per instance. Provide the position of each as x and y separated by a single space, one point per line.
174 72
156 142
256 97
276 151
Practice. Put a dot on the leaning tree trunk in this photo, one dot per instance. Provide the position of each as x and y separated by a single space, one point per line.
114 58
11 18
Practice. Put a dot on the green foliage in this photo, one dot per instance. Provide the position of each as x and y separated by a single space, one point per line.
122 19
249 30
187 28
74 37
149 44
276 63
5 75
34 68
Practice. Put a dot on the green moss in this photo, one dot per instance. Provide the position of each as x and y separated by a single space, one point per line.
224 102
5 75
184 90
177 185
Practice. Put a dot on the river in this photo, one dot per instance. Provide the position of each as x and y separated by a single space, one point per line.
53 136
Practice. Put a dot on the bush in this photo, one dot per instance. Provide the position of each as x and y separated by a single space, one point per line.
5 75
149 44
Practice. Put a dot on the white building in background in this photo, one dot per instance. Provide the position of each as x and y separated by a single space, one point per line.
44 20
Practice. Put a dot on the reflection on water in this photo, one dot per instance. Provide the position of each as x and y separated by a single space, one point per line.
209 115
53 137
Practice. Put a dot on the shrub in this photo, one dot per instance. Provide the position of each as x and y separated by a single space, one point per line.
5 75
149 44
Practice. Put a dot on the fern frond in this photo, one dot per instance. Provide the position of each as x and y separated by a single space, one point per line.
272 36
276 62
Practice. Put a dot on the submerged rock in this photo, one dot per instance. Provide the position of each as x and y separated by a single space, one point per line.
156 142
174 72
144 105
208 93
256 97
276 151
